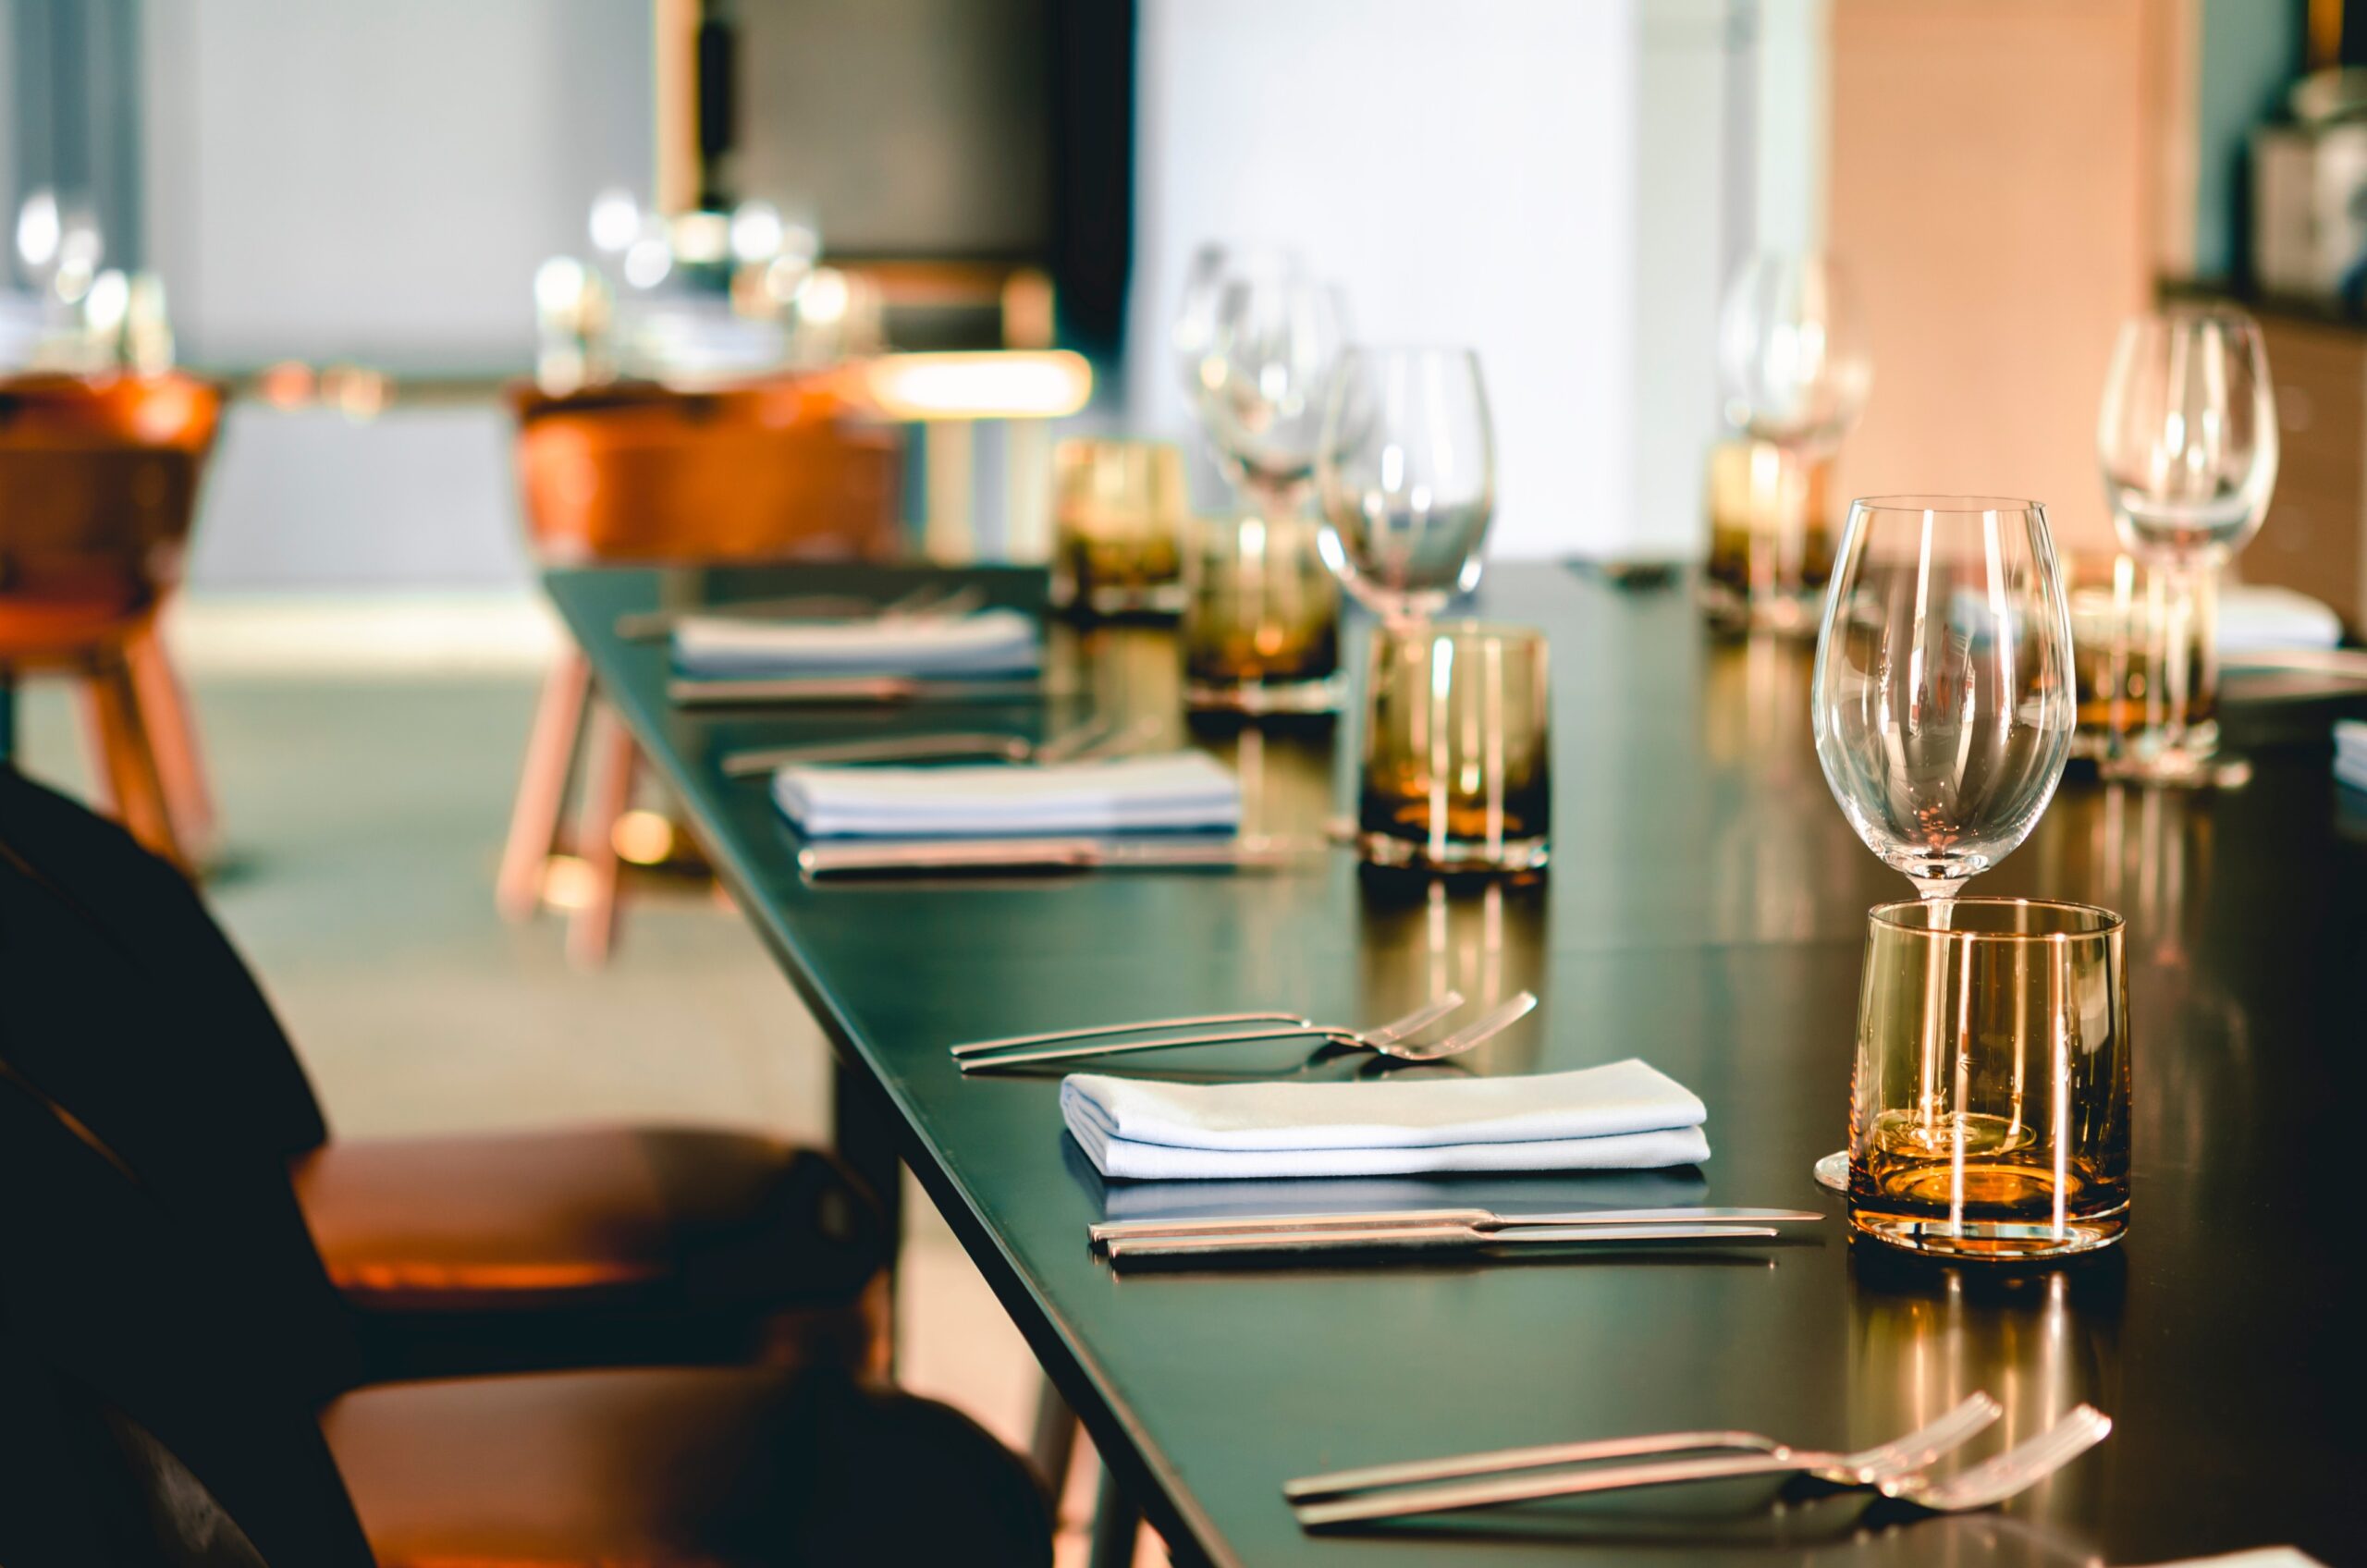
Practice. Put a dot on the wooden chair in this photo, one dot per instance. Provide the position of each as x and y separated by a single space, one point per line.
98 488
639 475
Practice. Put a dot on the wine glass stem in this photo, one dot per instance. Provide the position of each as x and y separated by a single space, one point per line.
2177 652
1936 887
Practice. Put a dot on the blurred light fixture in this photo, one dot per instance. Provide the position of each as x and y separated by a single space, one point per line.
822 297
616 221
756 231
558 288
37 229
702 238
104 306
989 385
642 837
647 261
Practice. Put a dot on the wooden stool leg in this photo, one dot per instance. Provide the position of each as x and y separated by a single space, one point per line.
131 757
98 747
592 931
542 785
1052 1444
163 706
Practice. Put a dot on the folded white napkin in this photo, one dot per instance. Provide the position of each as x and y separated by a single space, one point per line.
2350 752
1176 792
2256 618
990 643
1625 1116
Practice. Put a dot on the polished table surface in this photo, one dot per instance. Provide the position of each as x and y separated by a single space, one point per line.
1705 911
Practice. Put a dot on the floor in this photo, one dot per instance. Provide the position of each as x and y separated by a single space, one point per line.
363 809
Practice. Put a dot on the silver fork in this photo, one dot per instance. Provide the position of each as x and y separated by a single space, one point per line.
980 1054
1892 1461
2015 1471
1100 737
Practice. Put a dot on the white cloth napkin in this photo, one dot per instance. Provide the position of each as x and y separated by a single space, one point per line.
1176 792
990 643
2350 752
2255 618
1625 1116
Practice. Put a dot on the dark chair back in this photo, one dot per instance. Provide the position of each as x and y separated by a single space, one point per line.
146 1061
261 1098
142 1328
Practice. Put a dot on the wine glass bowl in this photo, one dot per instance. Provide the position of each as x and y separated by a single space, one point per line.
1274 342
1406 478
1791 355
2187 436
1943 700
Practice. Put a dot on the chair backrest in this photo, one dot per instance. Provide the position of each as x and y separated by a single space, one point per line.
98 482
140 1326
155 917
149 1063
767 474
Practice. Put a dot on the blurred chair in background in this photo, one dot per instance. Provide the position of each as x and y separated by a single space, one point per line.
98 490
638 474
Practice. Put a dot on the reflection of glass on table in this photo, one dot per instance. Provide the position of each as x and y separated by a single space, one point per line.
1770 537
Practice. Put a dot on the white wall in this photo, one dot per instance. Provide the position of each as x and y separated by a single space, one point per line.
1468 171
379 181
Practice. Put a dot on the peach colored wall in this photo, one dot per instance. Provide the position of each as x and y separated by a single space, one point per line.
1994 191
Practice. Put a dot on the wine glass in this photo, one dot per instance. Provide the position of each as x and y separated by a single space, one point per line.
1195 315
1406 478
2186 438
1942 702
1273 345
1795 374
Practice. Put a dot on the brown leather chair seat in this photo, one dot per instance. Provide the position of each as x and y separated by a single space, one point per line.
674 1466
116 1313
464 1254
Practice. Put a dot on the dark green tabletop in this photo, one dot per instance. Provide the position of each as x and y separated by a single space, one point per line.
1705 912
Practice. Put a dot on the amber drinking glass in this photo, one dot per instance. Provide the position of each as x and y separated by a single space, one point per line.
1457 752
1771 536
1989 1119
1119 510
1261 618
2126 619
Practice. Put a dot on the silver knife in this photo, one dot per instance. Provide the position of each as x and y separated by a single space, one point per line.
1470 1218
1396 1238
834 690
839 859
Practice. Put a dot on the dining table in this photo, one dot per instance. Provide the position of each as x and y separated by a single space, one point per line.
1704 910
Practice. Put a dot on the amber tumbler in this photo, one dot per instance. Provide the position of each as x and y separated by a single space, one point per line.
1989 1115
1119 510
1261 618
1457 750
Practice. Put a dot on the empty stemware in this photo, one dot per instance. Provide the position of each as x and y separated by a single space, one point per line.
1407 478
2187 439
1942 702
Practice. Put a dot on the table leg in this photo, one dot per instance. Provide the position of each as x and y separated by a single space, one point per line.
1116 1526
865 1135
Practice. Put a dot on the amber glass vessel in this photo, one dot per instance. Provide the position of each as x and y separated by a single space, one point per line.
1990 1114
1261 618
1770 537
1119 511
1457 752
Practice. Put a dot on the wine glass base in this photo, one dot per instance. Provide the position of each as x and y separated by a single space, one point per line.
1511 857
1832 1170
1324 695
2174 770
1781 612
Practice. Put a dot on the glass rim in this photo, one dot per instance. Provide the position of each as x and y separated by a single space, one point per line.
1439 350
1946 506
2103 923
1433 632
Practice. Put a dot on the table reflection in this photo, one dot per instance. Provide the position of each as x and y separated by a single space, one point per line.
1923 1338
1487 942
